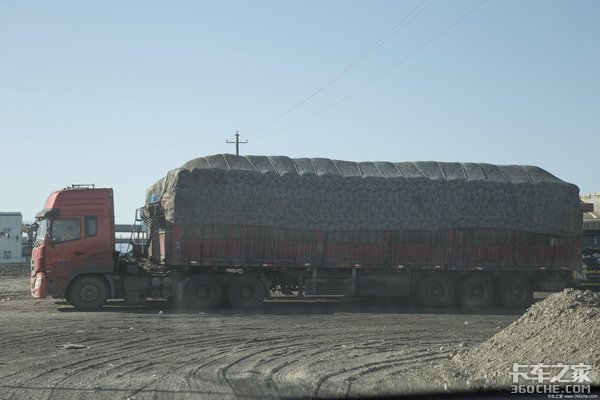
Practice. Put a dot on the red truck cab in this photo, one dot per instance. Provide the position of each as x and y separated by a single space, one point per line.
75 239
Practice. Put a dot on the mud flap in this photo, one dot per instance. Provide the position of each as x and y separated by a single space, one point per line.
267 284
179 287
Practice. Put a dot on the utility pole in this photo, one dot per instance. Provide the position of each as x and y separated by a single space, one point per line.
237 143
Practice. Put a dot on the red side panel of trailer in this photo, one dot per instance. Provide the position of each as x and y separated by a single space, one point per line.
266 247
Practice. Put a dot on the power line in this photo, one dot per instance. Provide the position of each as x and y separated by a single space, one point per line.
394 30
384 73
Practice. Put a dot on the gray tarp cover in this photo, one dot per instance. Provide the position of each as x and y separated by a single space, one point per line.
324 194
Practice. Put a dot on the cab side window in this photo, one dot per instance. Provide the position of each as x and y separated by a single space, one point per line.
91 226
65 229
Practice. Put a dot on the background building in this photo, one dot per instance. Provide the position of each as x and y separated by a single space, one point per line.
591 220
11 241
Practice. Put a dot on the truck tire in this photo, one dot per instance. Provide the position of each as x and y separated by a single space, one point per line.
476 291
514 292
246 292
436 291
88 292
202 292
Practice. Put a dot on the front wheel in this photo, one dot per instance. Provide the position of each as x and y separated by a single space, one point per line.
87 292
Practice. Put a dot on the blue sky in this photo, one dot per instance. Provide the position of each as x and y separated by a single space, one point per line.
117 93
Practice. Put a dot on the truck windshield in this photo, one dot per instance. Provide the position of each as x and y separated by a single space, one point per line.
40 233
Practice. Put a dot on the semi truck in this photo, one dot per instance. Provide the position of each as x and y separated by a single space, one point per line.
228 230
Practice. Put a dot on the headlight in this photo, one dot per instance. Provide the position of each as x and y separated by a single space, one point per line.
38 282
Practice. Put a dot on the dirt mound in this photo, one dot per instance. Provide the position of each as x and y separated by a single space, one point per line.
563 329
14 270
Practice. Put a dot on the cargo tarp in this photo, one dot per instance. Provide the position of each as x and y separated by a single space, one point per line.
331 195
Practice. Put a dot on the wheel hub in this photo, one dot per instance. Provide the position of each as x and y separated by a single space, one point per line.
203 292
247 293
438 291
477 291
516 292
89 293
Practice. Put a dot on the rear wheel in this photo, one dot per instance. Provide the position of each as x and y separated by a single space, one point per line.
202 292
87 292
514 292
476 291
246 292
436 291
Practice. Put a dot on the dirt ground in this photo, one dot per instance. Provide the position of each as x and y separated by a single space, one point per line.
288 349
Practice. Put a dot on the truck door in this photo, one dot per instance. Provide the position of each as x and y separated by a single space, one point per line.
66 251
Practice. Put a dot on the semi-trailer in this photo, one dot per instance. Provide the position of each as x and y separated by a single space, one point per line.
233 230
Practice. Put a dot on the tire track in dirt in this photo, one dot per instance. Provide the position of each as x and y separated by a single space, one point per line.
282 352
135 349
338 383
139 358
153 356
